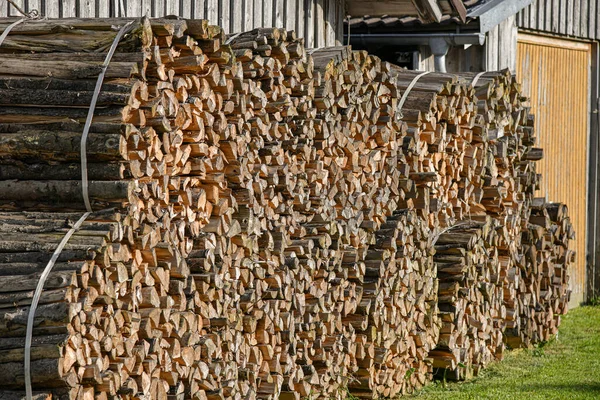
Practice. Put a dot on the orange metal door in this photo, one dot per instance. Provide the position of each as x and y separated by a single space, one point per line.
555 75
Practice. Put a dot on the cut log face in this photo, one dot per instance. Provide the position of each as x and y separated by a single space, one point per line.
268 222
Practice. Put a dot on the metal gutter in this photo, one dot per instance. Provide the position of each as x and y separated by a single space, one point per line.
453 39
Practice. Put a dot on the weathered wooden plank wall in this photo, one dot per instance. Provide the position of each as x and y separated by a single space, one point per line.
320 22
501 46
575 18
498 52
555 75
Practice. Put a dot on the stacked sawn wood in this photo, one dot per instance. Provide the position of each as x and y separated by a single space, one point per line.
530 317
269 217
448 148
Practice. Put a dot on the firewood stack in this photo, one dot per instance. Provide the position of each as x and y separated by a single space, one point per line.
544 294
400 289
511 179
514 178
259 267
116 318
448 155
386 250
445 153
87 325
265 217
470 299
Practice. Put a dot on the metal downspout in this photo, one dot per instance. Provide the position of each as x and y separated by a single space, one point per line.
439 48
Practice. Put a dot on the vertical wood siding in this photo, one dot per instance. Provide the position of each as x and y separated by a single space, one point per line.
498 52
555 74
501 46
319 22
575 18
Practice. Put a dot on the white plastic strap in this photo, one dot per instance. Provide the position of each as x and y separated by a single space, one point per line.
409 88
232 38
458 225
9 28
84 185
479 75
90 116
36 299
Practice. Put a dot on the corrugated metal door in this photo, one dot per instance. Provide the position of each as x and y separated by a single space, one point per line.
555 75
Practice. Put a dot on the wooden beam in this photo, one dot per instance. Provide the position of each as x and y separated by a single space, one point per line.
460 9
429 10
554 42
593 218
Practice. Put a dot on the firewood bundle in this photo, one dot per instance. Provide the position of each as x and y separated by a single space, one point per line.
450 153
446 152
510 180
269 221
544 294
403 326
385 251
507 119
88 310
252 268
116 315
470 299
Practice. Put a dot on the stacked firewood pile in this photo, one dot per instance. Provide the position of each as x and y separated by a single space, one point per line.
402 326
269 221
543 295
529 317
445 154
470 299
512 180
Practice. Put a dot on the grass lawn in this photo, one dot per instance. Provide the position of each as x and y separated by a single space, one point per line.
565 368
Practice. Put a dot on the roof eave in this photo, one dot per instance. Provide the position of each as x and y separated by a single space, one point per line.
493 12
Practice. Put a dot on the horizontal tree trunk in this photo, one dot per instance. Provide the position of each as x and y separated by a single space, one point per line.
66 192
95 171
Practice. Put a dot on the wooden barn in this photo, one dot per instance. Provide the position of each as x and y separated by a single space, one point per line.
552 48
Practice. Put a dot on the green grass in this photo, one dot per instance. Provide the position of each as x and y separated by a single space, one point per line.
567 367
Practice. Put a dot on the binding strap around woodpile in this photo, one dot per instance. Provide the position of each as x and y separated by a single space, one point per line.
32 15
90 116
9 28
408 89
232 38
86 199
479 75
